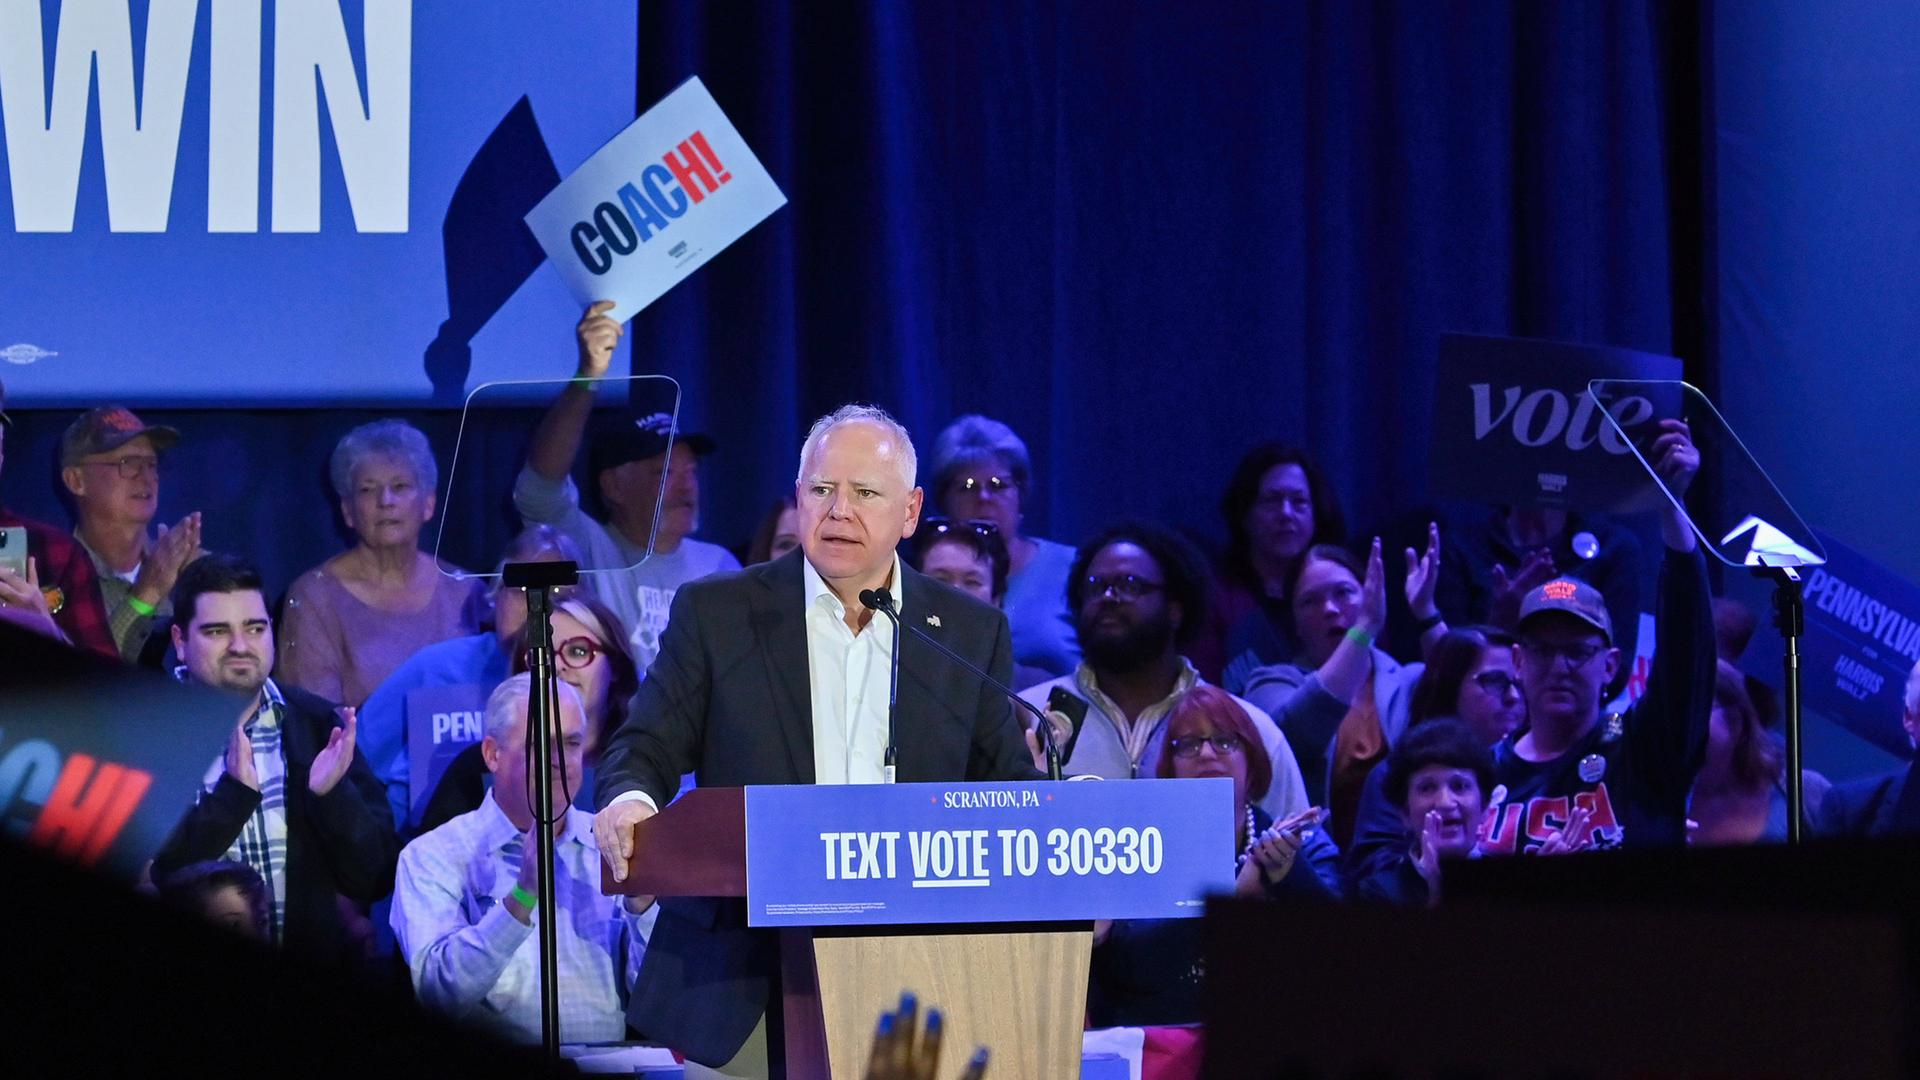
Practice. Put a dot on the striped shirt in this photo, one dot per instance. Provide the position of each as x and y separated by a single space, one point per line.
262 843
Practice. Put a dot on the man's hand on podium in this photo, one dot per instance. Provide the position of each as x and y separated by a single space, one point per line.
613 832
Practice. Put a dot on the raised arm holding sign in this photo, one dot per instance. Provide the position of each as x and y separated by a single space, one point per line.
654 204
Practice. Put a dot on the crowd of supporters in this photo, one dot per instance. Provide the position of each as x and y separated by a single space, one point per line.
325 825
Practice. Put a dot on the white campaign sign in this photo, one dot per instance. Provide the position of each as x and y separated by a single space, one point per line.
654 204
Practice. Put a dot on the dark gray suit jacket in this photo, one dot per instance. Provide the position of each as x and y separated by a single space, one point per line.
342 842
729 699
1864 807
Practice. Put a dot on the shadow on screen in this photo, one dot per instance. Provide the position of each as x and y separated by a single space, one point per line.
489 251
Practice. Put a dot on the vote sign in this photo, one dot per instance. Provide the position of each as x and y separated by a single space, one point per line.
1513 423
653 205
871 855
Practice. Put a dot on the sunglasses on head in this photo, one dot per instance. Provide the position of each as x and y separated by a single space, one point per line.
995 484
943 525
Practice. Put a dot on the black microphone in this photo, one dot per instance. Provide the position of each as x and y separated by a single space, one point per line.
882 601
878 600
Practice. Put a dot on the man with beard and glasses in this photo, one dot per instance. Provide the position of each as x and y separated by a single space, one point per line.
1139 594
290 796
628 459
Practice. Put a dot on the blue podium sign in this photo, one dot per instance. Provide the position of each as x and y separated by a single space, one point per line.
875 855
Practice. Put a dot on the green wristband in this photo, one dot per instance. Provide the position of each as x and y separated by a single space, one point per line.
1360 637
524 898
141 606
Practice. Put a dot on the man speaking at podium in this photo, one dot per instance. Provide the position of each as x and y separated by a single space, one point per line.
778 674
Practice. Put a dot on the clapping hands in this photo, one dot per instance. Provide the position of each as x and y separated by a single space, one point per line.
332 762
1275 851
1423 576
1508 590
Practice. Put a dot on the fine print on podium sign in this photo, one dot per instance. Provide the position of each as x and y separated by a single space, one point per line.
1014 852
654 204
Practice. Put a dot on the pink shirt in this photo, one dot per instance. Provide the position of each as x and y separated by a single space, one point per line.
339 648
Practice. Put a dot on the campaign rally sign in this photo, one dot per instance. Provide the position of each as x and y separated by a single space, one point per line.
301 202
1862 638
667 194
442 721
99 761
882 854
1513 424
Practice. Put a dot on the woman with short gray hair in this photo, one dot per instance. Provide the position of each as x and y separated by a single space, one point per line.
982 473
352 620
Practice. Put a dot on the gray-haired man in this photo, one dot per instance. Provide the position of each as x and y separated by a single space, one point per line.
629 459
778 674
110 464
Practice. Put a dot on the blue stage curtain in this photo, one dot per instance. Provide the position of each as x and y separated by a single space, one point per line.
1147 235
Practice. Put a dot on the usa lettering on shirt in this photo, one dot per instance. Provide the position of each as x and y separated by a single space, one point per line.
1523 825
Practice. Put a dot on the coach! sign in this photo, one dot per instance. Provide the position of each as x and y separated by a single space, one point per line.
652 206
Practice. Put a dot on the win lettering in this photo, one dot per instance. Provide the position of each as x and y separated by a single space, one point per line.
140 126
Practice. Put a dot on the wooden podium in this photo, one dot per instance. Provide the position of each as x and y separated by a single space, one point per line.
1019 988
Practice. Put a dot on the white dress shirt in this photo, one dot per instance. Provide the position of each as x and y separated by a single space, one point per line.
850 676
473 961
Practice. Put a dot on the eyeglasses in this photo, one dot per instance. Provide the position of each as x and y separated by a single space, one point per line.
1497 683
1126 586
576 653
131 468
1189 745
975 485
978 526
1575 654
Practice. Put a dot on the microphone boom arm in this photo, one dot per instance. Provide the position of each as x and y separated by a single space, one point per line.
882 601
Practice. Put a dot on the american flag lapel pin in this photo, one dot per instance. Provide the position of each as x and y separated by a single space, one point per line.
933 620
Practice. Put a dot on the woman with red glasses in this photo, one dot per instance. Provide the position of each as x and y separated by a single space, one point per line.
590 654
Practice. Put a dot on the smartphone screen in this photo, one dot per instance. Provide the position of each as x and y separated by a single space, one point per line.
13 549
1064 702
